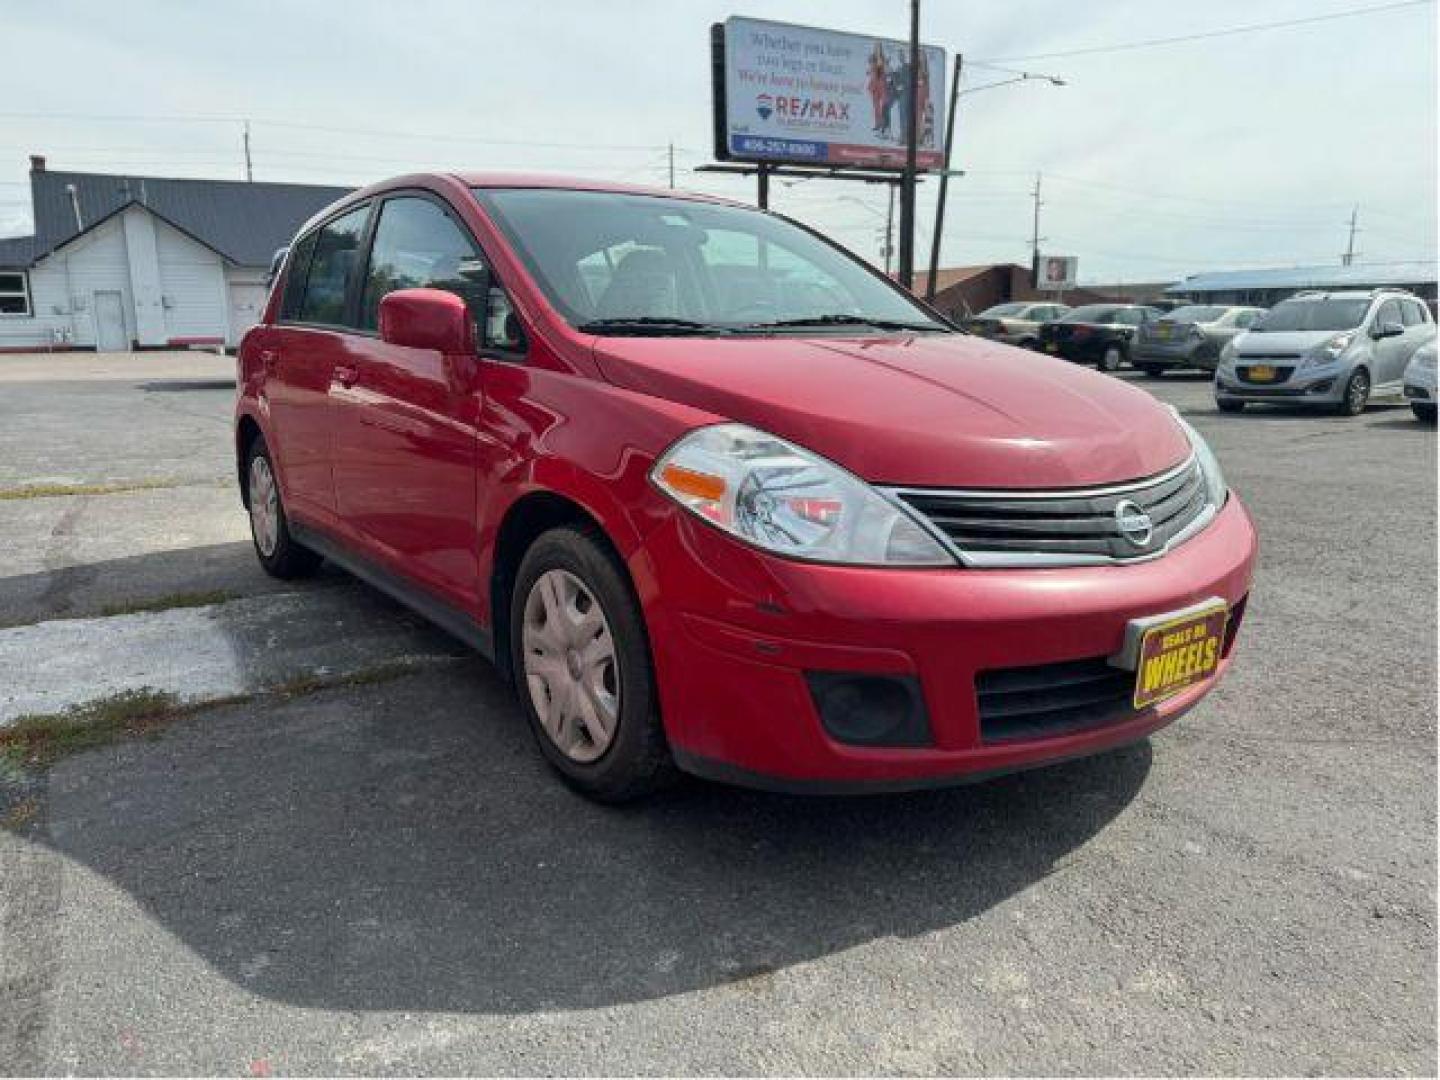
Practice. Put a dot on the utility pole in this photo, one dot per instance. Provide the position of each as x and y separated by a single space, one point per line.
249 170
672 164
912 128
1350 247
944 180
890 230
1035 237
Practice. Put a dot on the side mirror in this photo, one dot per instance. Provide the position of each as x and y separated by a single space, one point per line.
1387 329
427 319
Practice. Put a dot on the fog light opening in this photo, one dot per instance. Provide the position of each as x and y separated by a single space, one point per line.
870 710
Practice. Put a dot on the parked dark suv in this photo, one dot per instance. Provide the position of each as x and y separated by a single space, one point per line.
1099 334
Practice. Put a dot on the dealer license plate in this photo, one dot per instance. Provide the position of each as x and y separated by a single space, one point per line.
1162 331
1178 654
1261 373
1050 346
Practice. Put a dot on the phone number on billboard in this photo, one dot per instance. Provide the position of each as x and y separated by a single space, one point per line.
785 148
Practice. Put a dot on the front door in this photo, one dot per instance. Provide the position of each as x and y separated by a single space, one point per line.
405 419
110 323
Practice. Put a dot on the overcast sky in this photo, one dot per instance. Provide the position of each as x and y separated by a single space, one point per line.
1239 151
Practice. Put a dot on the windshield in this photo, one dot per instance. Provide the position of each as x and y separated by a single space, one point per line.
617 263
999 311
1092 313
1195 313
1315 315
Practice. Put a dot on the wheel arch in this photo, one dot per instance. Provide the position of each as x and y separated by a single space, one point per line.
247 430
526 519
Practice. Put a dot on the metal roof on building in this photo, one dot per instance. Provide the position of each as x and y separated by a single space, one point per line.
1355 276
243 221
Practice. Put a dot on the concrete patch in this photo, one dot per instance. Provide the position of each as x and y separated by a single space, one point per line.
202 653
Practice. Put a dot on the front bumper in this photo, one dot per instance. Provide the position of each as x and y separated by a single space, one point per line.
1320 386
1420 384
738 636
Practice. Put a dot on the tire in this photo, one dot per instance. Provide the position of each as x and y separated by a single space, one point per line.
597 722
1424 411
1357 394
281 555
1029 343
1229 405
1155 371
1111 358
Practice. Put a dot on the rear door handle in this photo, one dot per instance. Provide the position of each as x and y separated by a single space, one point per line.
346 375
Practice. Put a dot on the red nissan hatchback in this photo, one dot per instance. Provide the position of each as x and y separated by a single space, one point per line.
718 497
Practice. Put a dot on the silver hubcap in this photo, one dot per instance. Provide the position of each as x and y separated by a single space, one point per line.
570 665
264 507
1358 389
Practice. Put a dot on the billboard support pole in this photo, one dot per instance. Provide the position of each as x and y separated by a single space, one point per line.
944 181
907 180
762 186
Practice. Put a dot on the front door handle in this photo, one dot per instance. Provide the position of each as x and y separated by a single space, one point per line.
346 375
268 360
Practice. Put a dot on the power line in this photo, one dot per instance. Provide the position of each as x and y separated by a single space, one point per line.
1229 31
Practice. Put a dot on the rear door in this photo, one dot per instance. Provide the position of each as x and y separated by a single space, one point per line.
301 357
406 419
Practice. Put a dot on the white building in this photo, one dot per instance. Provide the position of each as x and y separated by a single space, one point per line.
119 262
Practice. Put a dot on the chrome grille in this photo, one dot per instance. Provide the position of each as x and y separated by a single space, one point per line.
1068 527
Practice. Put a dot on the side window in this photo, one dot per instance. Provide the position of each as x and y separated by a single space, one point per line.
1413 312
295 277
419 246
1389 313
1129 317
337 248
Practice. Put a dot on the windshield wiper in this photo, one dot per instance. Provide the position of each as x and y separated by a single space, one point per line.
650 324
840 320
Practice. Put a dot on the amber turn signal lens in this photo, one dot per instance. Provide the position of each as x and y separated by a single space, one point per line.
698 485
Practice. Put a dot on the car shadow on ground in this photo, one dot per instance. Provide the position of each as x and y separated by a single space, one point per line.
402 847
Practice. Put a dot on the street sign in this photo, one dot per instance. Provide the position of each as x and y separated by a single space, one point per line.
808 96
1057 271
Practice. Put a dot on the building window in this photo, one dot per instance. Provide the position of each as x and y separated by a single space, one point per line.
14 292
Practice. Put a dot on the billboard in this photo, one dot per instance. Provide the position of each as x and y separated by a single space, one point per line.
802 95
1057 272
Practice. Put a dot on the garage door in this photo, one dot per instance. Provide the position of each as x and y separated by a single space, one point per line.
247 301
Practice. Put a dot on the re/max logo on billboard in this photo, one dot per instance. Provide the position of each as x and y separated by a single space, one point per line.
799 108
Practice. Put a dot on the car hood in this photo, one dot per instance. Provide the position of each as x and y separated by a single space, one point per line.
1282 342
925 410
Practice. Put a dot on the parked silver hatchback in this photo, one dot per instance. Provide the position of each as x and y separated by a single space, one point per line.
1325 348
1190 337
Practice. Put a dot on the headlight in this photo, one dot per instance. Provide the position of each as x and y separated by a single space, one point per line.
1327 351
1227 354
779 497
1196 332
1215 486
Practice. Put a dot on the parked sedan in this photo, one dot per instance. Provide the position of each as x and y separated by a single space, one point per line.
1420 382
1016 323
1191 336
1099 334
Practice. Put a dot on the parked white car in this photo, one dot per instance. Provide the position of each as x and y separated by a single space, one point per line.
1420 383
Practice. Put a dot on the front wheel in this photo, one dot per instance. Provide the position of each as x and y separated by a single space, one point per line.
1424 411
1357 394
582 668
1111 358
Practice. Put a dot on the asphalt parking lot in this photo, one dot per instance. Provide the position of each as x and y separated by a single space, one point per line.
356 867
